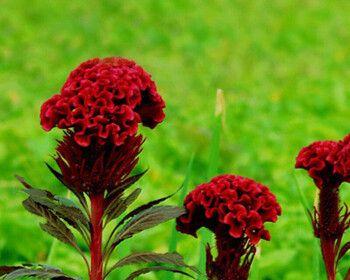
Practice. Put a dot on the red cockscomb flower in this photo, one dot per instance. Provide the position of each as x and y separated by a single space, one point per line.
318 159
104 100
235 209
328 164
99 107
236 205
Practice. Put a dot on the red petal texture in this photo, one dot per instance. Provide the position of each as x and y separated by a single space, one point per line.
104 100
319 159
230 205
327 162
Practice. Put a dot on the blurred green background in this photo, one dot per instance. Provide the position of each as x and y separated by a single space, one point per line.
284 68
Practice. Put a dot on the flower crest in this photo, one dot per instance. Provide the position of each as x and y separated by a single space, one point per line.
230 205
327 162
104 100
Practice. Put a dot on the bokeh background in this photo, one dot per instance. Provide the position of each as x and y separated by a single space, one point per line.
284 67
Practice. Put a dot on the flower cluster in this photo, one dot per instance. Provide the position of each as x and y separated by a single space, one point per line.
104 100
230 205
327 162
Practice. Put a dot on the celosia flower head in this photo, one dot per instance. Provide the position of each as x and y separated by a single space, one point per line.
104 100
319 159
230 205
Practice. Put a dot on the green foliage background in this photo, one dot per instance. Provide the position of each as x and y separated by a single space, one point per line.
284 68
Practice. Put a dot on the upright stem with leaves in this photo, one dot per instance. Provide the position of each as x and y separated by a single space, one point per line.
100 107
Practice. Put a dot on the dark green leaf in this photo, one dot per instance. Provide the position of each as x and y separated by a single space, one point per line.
149 257
54 225
145 207
36 208
73 216
156 268
120 188
41 196
62 207
131 180
30 270
59 176
23 182
148 219
114 210
344 249
59 230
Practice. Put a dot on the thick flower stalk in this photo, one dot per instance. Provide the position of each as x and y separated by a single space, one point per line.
235 209
327 163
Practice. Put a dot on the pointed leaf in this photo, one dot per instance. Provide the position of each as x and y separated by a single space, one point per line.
119 189
59 177
63 207
148 219
54 226
149 257
59 230
114 210
73 216
41 196
23 182
35 208
145 207
344 249
156 268
38 271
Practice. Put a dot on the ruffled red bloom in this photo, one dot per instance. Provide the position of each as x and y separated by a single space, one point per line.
96 168
104 100
319 159
235 209
231 204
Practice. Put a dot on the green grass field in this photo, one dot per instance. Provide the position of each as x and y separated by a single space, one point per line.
284 67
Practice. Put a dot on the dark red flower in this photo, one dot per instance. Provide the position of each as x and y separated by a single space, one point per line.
104 100
319 159
233 204
96 168
235 209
